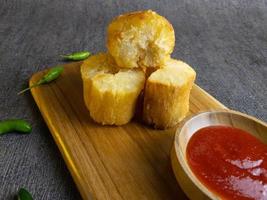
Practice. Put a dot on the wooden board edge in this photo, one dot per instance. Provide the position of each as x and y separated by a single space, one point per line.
57 138
211 97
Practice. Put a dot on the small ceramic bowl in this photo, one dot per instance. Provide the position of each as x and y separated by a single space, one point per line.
186 178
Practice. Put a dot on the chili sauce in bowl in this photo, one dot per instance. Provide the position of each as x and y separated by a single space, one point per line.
229 161
221 154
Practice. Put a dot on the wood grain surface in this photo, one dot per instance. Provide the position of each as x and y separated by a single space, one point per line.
109 162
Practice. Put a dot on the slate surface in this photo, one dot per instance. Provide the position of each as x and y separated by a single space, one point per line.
225 41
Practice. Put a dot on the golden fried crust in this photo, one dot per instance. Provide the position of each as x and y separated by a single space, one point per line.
110 94
141 38
167 91
99 63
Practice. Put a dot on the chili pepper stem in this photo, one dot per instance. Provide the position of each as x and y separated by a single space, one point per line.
26 89
66 57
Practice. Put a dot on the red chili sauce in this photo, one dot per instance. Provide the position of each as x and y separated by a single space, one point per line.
230 162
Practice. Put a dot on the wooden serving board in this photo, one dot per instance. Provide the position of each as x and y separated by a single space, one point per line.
109 162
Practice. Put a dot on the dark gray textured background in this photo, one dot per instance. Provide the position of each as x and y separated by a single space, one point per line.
225 41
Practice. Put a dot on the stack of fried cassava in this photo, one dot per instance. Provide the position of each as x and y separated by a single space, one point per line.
138 59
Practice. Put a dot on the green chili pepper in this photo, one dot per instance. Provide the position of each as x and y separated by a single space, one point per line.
51 75
23 194
12 125
77 56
